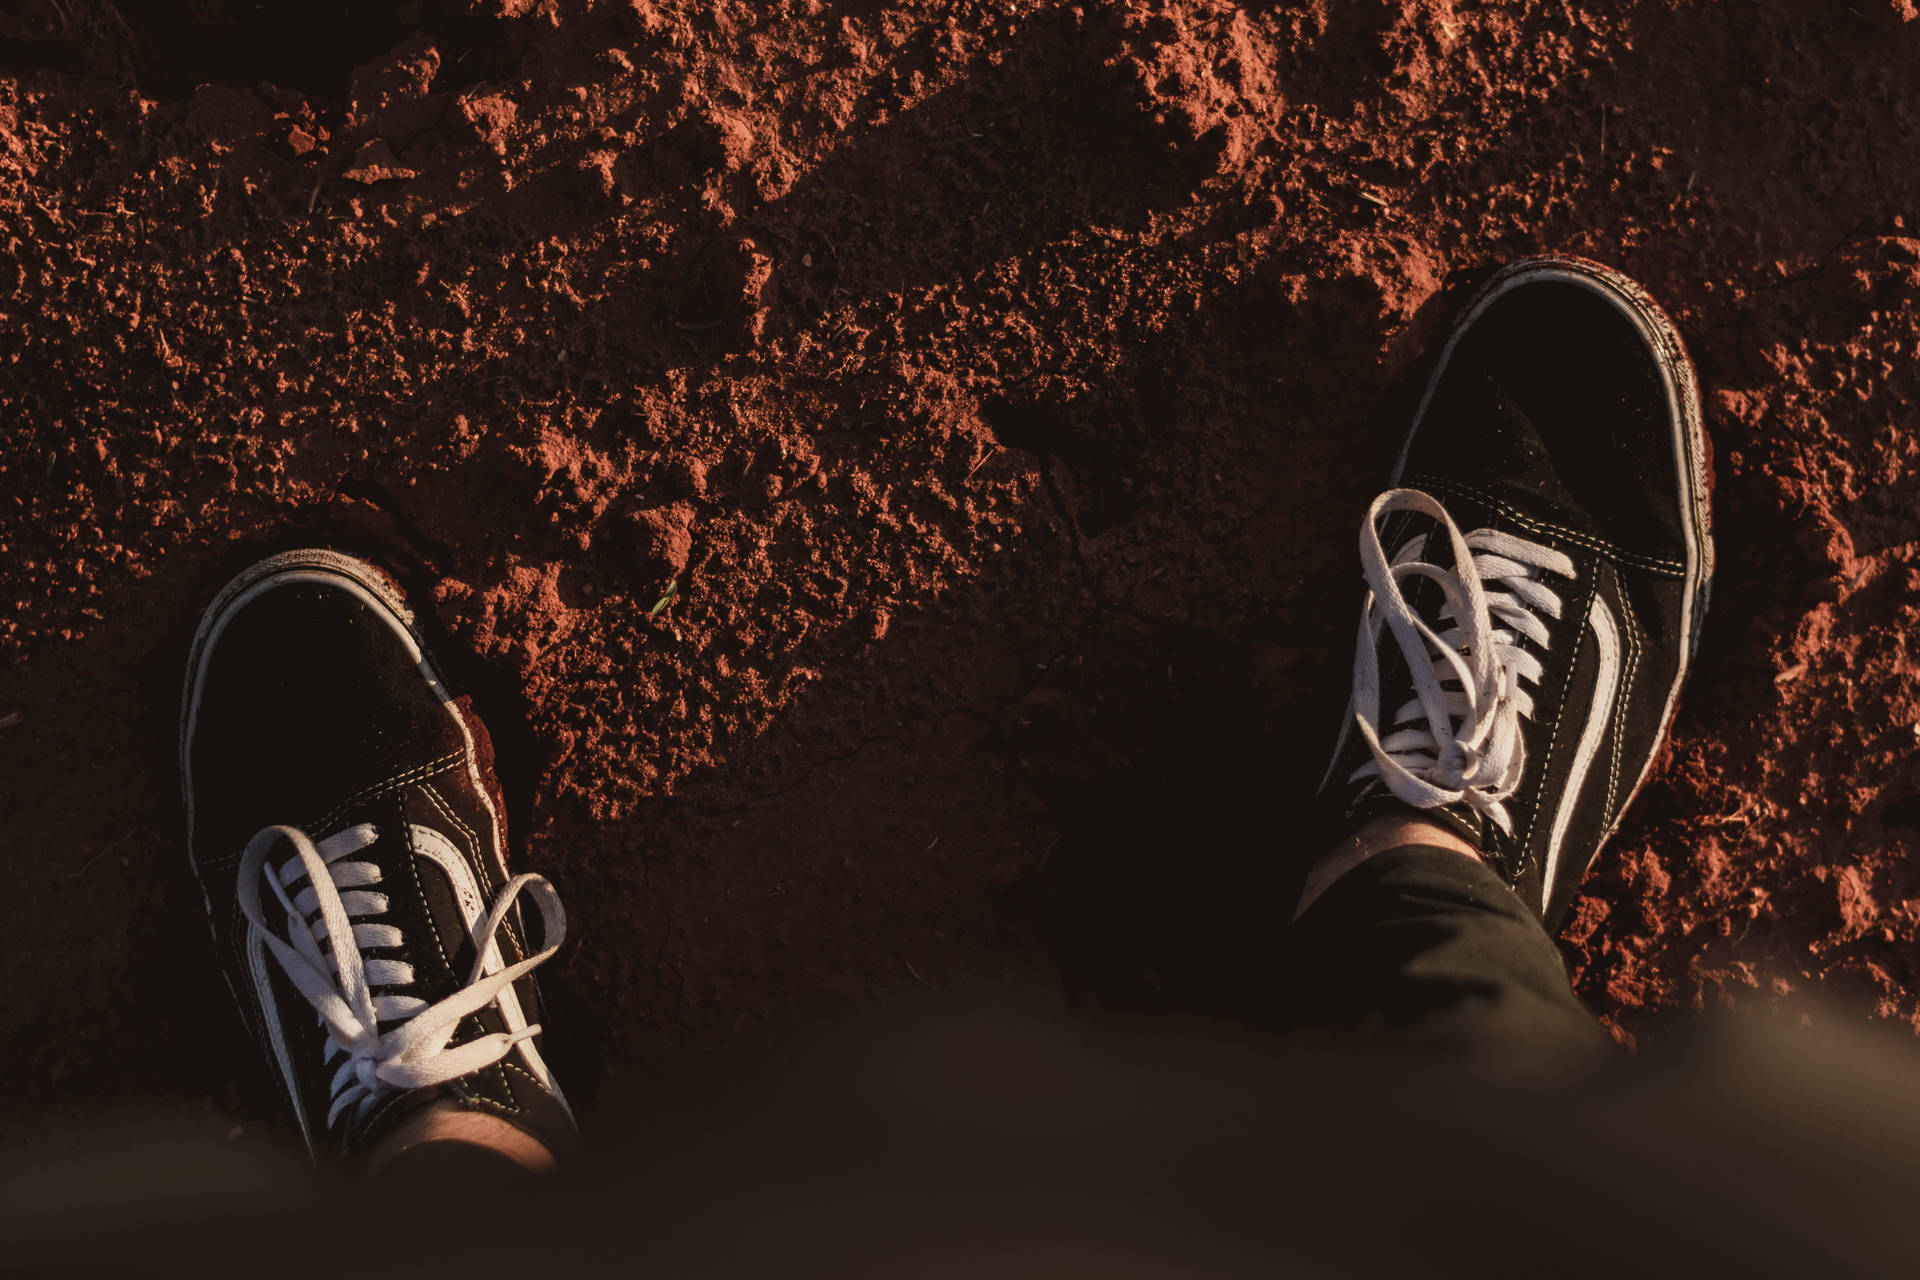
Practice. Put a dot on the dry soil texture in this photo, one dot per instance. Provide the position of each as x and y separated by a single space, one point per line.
902 464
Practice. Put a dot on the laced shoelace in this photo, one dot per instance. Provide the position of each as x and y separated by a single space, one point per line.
1458 740
338 902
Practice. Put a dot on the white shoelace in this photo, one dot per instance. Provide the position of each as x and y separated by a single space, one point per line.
1459 739
338 981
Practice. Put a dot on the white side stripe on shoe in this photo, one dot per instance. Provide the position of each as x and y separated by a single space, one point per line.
1606 682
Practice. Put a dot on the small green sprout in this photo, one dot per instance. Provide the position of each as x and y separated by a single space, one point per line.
660 605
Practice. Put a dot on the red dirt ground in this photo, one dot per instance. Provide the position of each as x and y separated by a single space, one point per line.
1000 384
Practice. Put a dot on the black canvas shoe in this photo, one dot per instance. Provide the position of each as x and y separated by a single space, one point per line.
335 789
1536 577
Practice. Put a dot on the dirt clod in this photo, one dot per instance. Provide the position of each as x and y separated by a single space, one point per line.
663 538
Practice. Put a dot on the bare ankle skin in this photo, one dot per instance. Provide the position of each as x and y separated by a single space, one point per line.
448 1122
1371 837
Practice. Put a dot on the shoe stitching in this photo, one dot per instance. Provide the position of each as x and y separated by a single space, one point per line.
503 1110
439 945
1591 541
363 796
488 889
413 865
489 1076
472 1021
493 1074
1670 568
472 839
506 1066
386 787
1553 736
225 862
1620 706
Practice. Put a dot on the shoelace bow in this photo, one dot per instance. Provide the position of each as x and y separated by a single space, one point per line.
338 980
1458 740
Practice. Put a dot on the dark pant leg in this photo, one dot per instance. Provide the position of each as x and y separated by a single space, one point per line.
1424 950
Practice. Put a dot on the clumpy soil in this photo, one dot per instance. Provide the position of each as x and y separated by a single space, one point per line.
898 467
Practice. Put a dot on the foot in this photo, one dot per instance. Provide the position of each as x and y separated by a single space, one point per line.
334 788
1536 578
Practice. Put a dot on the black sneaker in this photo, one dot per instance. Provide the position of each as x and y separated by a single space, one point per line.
335 788
1537 575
